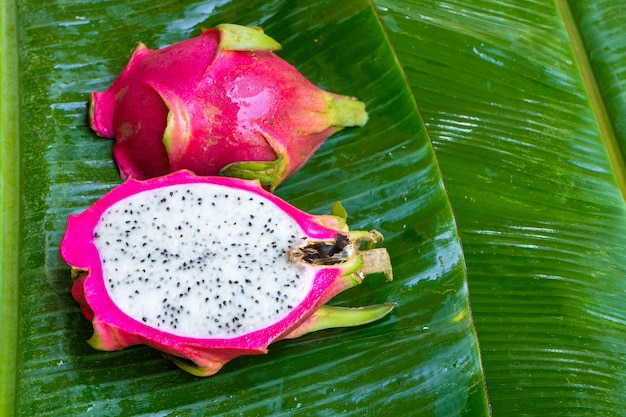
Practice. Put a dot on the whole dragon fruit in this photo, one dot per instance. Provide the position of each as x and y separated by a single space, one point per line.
218 104
206 269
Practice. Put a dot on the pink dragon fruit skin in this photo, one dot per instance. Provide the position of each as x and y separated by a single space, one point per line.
218 104
123 232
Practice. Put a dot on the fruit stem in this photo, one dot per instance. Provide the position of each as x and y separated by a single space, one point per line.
377 260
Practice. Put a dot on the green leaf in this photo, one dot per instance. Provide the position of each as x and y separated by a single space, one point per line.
9 208
423 356
524 101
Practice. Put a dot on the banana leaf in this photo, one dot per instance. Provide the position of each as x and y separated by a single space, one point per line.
525 104
423 358
9 207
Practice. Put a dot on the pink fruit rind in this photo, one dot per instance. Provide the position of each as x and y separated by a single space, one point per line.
113 329
215 103
102 104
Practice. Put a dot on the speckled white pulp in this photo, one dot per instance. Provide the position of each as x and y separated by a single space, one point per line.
202 260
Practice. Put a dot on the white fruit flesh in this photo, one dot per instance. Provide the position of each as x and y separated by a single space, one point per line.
202 260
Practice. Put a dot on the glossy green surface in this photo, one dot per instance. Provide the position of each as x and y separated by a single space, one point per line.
423 357
601 24
9 205
524 102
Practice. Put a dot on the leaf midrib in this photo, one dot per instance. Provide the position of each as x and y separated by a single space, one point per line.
9 206
596 98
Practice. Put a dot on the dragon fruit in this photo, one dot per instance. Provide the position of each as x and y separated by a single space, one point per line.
218 104
206 269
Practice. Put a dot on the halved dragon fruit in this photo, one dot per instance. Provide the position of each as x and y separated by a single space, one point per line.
206 269
218 104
